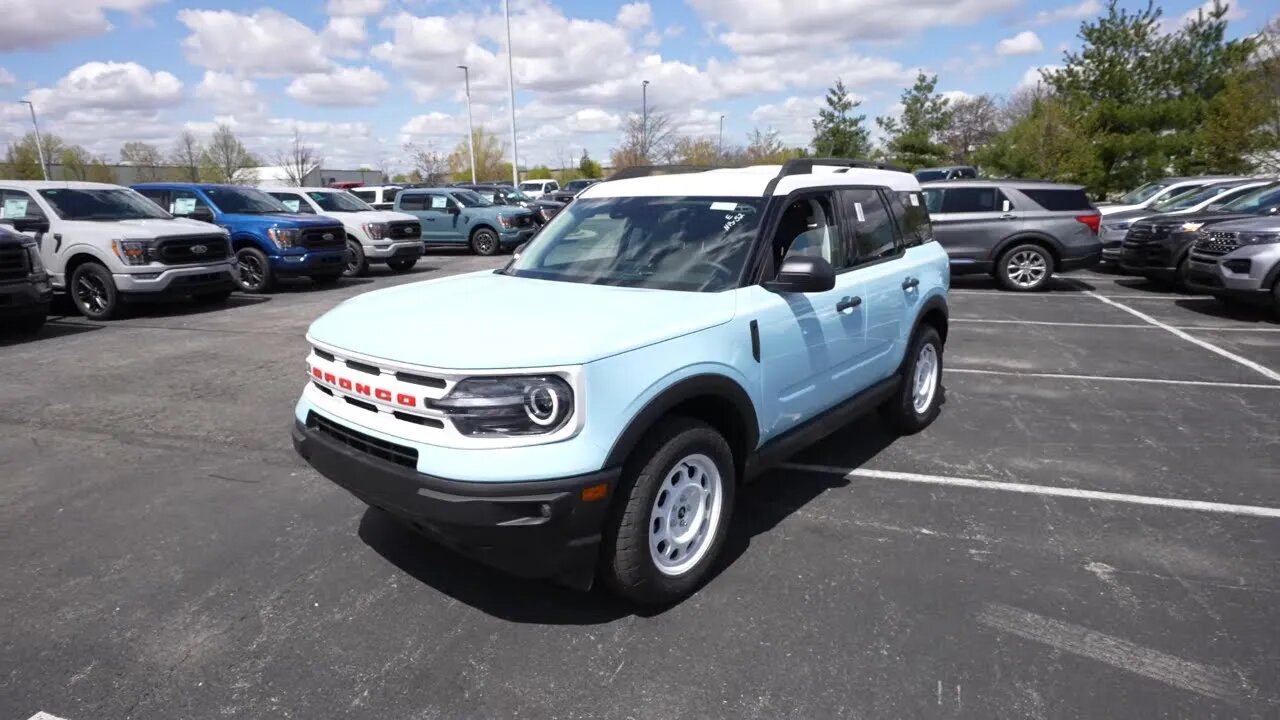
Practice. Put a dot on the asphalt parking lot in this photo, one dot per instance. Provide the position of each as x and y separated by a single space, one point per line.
1089 530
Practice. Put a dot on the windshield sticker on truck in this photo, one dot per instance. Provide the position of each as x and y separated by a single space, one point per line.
857 209
14 208
293 205
184 206
728 206
915 200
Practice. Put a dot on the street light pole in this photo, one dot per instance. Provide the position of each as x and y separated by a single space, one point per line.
471 130
644 121
720 142
511 90
44 168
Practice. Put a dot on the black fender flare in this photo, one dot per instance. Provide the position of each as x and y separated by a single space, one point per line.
720 387
938 303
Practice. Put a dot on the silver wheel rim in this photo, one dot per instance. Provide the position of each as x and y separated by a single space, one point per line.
1027 268
250 271
925 383
352 265
92 293
685 516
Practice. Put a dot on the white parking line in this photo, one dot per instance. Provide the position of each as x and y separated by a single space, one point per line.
1112 378
1124 326
1178 504
1082 293
42 715
1264 371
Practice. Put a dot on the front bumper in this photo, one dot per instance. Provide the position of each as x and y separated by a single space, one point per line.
381 252
25 297
515 237
1252 283
1158 257
315 262
1080 258
536 529
175 281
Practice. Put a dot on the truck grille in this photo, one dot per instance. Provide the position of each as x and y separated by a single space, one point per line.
13 262
389 451
191 250
522 221
320 238
1216 244
404 230
392 393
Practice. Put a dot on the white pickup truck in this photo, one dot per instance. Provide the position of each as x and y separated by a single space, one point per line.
103 244
373 236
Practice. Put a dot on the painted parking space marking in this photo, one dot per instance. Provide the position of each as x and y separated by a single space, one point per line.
1080 292
42 715
1111 378
1121 326
1050 490
1256 367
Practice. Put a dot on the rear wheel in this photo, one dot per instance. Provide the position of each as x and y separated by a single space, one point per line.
919 398
254 273
94 292
674 503
484 242
403 264
356 265
1025 268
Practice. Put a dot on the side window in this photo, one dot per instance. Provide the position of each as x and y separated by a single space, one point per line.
439 202
185 202
369 196
974 200
294 202
18 205
389 194
159 197
932 199
553 186
912 215
810 227
413 201
873 235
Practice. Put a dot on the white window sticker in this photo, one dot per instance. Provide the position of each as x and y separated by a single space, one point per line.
293 205
183 206
915 200
724 206
857 208
14 208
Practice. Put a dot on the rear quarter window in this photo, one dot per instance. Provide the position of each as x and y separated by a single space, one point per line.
1058 200
911 211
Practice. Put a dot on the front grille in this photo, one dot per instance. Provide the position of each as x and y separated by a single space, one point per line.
201 279
190 250
369 385
522 221
1216 244
404 230
381 449
320 238
13 262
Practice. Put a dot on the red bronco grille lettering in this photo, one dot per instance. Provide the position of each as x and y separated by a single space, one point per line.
366 390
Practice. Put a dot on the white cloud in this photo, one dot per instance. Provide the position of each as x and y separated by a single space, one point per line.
433 125
634 16
267 43
651 39
355 8
35 25
1080 11
957 95
109 86
592 120
1034 77
792 118
344 34
1024 43
339 88
230 95
6 78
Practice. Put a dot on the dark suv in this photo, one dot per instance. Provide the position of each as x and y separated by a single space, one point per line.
24 285
1019 231
543 210
1158 247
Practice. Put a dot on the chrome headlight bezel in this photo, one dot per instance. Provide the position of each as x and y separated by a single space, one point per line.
285 238
376 230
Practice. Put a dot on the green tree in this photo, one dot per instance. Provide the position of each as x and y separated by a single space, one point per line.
837 132
914 138
23 157
700 151
489 158
1046 142
538 172
764 147
588 167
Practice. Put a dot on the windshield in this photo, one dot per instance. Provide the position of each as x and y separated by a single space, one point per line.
534 186
471 199
338 202
576 185
1189 199
1142 194
667 243
102 204
928 175
245 201
1259 199
513 195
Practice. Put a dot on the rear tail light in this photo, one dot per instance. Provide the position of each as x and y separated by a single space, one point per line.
1093 221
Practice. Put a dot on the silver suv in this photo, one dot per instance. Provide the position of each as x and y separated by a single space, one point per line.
1019 231
1238 261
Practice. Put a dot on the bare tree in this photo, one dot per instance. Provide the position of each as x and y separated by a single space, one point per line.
227 159
699 151
188 155
645 141
431 165
298 160
144 158
974 122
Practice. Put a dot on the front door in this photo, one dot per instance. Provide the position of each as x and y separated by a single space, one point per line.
24 214
970 222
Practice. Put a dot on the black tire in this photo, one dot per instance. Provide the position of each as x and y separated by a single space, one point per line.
402 265
485 242
1180 274
627 564
94 293
1036 257
254 273
356 265
327 280
901 411
211 298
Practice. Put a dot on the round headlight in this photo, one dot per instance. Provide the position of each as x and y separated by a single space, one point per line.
542 405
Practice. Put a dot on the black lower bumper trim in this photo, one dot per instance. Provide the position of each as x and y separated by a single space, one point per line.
1080 262
24 298
532 529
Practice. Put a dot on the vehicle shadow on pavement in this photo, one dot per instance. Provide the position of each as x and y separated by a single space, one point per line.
190 307
1056 284
1240 313
51 331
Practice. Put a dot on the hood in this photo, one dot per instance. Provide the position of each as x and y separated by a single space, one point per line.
1254 223
287 220
1204 217
1109 210
485 320
140 229
1130 215
493 211
372 216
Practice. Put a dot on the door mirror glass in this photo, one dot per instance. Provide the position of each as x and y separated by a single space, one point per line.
803 274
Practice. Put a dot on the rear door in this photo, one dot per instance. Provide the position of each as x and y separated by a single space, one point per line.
876 251
970 221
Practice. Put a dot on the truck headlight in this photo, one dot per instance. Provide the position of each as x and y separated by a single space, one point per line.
505 221
376 231
507 406
33 253
131 252
1259 238
284 237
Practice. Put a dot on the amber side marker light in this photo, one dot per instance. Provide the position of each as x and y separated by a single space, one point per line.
595 493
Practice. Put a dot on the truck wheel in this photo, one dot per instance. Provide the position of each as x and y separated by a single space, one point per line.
671 515
356 264
255 273
402 265
1025 268
919 398
94 292
485 242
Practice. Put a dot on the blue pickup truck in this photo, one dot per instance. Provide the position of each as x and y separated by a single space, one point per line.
270 242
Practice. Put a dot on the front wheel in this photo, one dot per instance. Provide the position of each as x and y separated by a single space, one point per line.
919 398
356 265
485 242
94 292
672 516
1025 268
402 265
254 273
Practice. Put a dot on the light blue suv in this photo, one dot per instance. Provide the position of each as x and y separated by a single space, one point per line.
588 411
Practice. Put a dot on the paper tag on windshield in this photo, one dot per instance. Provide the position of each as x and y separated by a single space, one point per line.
14 208
724 206
857 208
915 200
293 205
184 206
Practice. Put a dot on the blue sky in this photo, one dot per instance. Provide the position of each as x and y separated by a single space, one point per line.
360 78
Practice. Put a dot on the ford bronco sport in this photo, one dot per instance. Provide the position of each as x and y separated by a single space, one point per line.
589 410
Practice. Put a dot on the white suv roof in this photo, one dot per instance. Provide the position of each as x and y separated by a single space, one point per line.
754 181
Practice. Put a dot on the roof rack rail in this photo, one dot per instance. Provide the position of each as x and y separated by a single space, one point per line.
805 166
640 171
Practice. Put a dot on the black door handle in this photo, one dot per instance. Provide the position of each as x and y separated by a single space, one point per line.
848 304
910 283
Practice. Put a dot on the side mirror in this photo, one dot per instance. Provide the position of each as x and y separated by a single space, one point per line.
802 274
203 214
33 225
453 210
